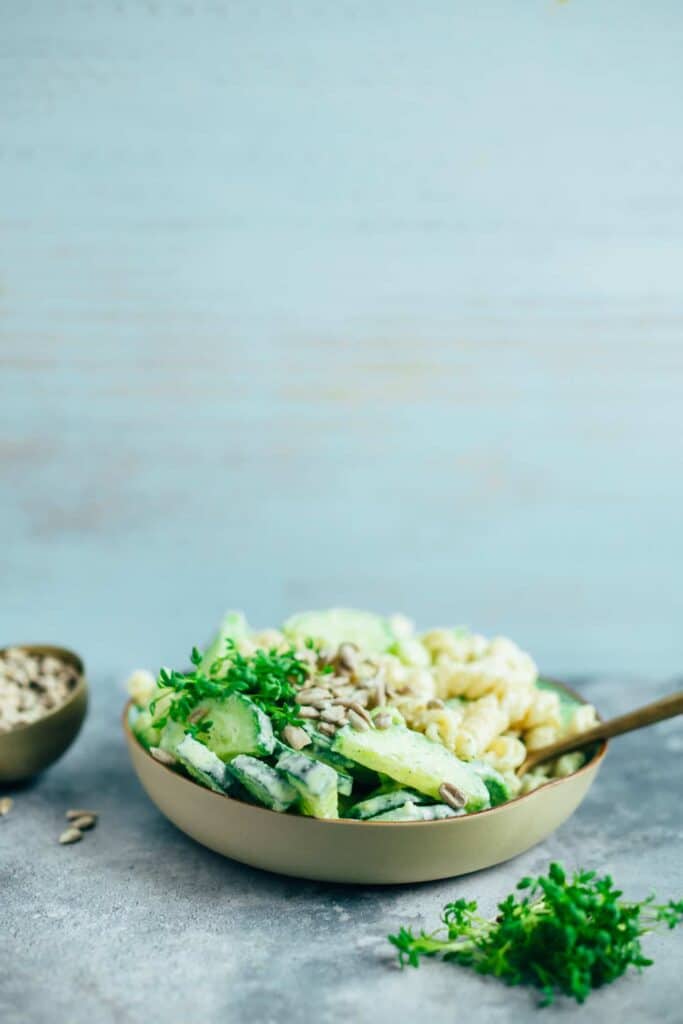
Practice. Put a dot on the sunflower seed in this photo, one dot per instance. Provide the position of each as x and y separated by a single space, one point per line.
5 805
348 656
332 714
379 696
84 822
327 729
70 835
435 703
308 712
383 721
72 815
296 737
197 715
162 756
358 723
312 694
360 710
452 796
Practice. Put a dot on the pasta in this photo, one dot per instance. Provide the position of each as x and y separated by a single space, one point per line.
480 698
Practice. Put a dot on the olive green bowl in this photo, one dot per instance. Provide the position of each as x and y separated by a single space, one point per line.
30 749
365 852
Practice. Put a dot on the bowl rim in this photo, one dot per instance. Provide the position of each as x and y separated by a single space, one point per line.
592 764
63 654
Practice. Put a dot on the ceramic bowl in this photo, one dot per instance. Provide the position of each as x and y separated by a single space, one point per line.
365 852
31 748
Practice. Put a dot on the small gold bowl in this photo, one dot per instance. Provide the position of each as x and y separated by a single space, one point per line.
30 749
365 852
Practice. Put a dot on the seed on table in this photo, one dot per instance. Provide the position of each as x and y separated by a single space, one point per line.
73 814
6 803
383 721
327 729
86 821
162 756
452 796
70 835
296 737
358 723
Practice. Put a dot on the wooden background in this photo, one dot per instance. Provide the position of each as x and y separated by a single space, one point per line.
375 303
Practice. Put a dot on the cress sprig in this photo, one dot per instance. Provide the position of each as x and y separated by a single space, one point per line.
564 936
269 678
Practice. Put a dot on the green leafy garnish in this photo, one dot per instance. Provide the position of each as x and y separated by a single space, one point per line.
564 936
269 678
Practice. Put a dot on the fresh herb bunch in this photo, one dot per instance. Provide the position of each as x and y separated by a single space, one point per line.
564 936
269 678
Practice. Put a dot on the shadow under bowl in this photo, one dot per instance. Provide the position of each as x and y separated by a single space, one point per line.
361 852
30 749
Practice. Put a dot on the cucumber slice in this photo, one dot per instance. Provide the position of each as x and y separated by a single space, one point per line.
171 735
233 627
344 780
382 803
499 789
411 812
264 783
371 633
413 760
321 748
315 782
238 726
141 723
203 765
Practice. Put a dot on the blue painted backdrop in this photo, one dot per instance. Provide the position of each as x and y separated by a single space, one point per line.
368 303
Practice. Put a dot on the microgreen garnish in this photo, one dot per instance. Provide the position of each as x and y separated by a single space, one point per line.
269 678
564 936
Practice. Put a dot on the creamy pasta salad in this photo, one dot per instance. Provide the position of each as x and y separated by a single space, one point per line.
343 713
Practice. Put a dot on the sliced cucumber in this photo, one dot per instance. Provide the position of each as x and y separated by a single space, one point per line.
371 633
233 627
238 726
411 812
141 723
315 782
321 748
381 803
203 765
413 760
264 783
498 787
172 734
344 780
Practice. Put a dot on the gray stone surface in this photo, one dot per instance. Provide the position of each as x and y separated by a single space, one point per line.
139 923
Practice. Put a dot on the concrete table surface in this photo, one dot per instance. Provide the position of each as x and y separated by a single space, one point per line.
139 923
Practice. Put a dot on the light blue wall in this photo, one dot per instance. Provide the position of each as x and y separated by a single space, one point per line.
374 303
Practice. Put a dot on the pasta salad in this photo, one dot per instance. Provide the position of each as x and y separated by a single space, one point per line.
343 713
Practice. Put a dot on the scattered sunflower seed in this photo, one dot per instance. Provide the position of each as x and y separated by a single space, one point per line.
358 723
6 803
86 821
452 796
162 756
332 714
327 729
70 835
360 710
73 814
296 737
197 715
307 711
383 721
435 703
348 656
